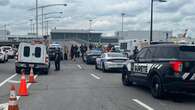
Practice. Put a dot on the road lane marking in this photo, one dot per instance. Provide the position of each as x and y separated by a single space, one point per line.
12 81
79 66
5 81
4 106
142 104
95 76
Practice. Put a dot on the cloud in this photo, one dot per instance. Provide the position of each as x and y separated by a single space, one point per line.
4 2
173 15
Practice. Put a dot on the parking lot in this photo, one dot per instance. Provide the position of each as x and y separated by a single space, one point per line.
80 87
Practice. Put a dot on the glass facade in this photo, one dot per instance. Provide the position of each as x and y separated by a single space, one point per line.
92 37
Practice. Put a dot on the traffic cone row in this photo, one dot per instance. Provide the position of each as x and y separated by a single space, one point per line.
23 90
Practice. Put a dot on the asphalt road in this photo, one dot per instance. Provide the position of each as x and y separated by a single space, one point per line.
80 87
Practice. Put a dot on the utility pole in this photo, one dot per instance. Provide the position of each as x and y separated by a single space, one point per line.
122 15
42 20
5 32
151 22
31 25
90 26
37 22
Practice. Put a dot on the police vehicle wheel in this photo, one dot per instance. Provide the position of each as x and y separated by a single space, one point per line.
156 87
125 77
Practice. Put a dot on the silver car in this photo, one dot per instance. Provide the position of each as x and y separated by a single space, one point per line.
110 61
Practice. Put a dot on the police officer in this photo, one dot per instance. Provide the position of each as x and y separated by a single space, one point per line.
57 59
135 51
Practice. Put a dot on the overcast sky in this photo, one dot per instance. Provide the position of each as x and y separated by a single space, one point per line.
174 15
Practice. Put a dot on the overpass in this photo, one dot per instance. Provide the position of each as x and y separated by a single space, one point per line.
9 43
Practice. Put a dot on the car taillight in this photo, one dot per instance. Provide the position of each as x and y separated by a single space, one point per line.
46 59
176 66
16 57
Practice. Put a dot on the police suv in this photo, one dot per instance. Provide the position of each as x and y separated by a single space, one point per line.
162 68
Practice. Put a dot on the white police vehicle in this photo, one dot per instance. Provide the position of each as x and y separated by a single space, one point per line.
162 68
32 55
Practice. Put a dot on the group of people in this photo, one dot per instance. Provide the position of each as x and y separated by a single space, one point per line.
75 51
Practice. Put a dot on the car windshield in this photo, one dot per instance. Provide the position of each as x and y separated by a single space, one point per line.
116 55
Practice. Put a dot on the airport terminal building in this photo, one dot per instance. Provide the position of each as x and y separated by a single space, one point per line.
78 35
144 34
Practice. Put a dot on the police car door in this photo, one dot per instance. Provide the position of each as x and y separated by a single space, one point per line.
141 65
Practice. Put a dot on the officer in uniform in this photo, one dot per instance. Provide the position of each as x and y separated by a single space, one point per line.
57 59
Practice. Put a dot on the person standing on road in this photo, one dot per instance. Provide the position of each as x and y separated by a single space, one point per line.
57 60
135 52
82 49
72 52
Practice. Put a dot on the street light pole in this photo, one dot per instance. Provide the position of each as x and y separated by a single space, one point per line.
42 20
122 15
90 25
151 22
31 25
5 32
37 33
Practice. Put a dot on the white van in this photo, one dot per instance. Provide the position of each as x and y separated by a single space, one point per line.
32 55
129 45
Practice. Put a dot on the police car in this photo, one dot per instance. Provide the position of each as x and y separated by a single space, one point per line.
162 68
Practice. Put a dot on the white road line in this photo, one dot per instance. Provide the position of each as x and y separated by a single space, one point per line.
12 81
5 105
142 104
79 66
95 76
5 81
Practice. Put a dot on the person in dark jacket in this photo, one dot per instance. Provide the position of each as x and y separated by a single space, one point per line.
72 52
135 51
57 60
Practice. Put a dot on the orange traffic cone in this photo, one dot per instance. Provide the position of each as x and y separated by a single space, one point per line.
31 77
13 104
23 87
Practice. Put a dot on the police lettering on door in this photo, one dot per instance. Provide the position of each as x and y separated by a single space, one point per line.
141 68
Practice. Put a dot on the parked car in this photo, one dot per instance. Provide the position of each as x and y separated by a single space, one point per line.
166 68
3 55
32 55
91 55
110 61
10 51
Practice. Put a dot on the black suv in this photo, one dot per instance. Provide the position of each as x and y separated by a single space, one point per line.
162 68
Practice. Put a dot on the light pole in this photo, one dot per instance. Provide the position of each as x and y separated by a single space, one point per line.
90 26
31 25
37 22
5 32
42 10
122 15
47 23
151 23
